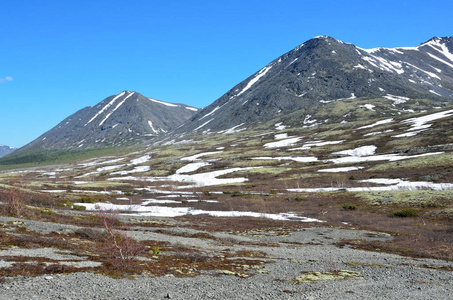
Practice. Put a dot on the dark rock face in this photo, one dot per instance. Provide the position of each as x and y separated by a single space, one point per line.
126 118
324 69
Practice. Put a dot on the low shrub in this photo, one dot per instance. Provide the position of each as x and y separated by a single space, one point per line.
349 207
78 207
406 213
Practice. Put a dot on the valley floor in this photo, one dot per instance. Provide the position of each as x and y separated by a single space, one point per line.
291 263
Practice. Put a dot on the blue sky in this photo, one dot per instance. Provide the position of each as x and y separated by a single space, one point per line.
58 57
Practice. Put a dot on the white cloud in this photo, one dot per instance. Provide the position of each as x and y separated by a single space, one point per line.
7 78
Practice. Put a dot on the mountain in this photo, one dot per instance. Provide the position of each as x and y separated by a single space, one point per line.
4 150
305 86
122 119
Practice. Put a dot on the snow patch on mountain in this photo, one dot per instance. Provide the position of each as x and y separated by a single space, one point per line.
255 79
119 104
163 103
105 107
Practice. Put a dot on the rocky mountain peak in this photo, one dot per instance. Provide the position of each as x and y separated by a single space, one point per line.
121 119
323 70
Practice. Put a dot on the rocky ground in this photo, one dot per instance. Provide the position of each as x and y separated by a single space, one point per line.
298 264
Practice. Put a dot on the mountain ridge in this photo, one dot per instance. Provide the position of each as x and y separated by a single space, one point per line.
325 69
125 118
323 80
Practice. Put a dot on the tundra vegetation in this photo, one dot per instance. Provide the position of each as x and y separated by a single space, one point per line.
107 202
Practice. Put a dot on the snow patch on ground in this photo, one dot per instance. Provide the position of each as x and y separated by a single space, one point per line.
381 122
340 170
368 106
397 99
316 144
298 159
389 157
281 136
420 122
197 156
280 126
283 143
137 169
233 129
357 152
164 211
389 185
192 167
140 160
378 132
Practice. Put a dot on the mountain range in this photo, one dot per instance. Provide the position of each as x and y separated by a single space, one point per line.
324 70
322 81
4 150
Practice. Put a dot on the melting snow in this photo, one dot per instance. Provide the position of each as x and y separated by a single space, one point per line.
105 107
420 122
389 157
260 74
211 112
298 159
198 180
279 126
391 185
430 74
204 124
396 99
191 167
233 129
283 143
209 178
196 156
368 106
151 125
340 170
361 151
138 169
163 211
165 103
441 48
281 136
377 123
119 104
140 160
316 144
378 132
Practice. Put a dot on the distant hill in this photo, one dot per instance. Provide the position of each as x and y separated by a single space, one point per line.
4 150
123 119
314 77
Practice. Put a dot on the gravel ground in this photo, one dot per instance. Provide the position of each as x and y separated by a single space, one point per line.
380 275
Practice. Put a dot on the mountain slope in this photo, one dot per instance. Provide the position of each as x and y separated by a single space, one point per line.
122 119
324 70
4 150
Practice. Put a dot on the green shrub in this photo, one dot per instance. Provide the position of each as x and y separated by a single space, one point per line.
79 207
406 213
46 212
156 250
87 200
349 207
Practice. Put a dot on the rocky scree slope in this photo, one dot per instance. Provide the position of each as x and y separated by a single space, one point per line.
324 70
122 119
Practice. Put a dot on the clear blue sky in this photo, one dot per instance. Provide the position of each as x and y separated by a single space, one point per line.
57 57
